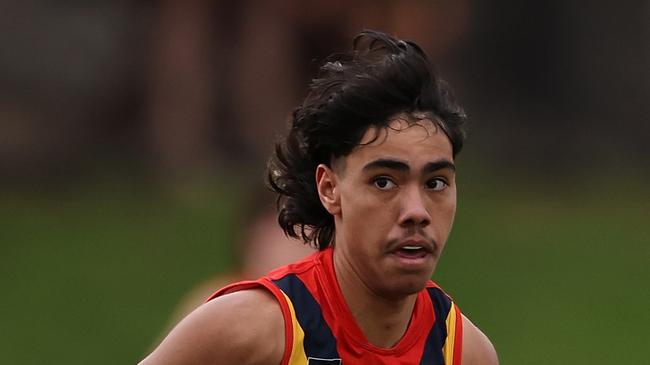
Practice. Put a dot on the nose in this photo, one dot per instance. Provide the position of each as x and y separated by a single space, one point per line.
413 209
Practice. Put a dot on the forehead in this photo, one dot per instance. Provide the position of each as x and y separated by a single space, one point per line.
398 126
414 142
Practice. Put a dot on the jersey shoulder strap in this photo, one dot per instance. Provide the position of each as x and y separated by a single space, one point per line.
447 331
288 313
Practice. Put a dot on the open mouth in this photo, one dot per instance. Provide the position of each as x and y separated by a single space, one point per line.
411 252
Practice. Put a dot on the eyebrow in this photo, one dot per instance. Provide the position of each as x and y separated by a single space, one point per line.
403 166
439 165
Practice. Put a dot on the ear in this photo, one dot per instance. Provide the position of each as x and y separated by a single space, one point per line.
328 191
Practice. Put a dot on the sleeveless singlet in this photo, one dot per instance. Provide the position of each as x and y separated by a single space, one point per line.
320 329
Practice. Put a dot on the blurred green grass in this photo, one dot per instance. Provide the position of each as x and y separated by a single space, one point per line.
552 272
91 276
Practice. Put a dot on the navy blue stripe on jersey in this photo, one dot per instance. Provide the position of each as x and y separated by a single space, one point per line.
319 341
433 349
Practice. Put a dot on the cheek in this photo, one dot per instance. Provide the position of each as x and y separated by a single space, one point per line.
443 215
451 206
356 203
364 218
448 209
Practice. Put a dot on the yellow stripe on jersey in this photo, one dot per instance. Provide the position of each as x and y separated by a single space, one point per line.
298 356
448 348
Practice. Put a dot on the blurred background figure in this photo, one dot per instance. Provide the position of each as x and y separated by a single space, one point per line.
261 247
132 134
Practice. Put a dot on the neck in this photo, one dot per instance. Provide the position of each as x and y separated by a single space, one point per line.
383 319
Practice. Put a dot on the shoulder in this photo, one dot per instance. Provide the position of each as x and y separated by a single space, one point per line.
477 348
244 327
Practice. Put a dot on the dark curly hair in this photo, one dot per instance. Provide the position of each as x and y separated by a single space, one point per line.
380 78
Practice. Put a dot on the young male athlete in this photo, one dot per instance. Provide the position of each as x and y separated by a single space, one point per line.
367 175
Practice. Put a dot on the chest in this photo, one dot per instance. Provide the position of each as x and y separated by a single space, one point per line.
322 333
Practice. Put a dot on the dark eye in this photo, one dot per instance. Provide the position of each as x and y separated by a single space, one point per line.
437 184
384 183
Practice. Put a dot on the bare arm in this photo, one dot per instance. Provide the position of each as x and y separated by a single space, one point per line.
477 348
244 327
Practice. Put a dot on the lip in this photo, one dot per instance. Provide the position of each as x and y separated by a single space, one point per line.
417 260
427 245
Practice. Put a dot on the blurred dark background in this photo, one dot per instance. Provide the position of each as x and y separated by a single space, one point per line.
131 131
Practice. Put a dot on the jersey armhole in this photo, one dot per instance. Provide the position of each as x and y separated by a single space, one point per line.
279 296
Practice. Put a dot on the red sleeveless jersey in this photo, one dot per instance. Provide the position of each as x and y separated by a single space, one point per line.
320 329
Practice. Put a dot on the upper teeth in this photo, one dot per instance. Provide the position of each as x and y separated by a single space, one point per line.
411 247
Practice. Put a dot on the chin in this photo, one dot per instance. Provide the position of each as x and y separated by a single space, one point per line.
407 287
